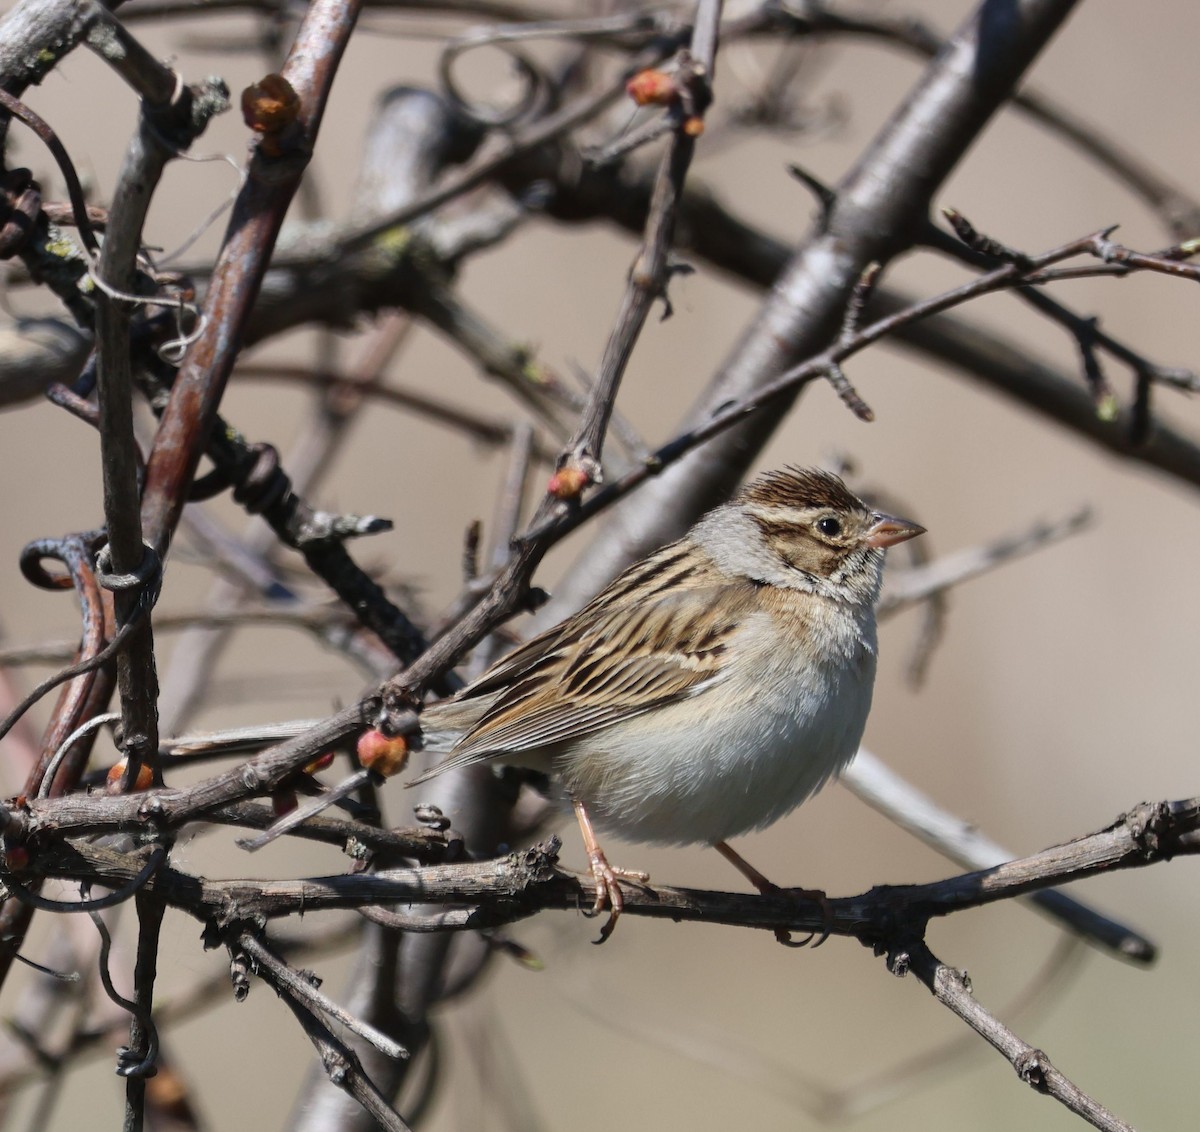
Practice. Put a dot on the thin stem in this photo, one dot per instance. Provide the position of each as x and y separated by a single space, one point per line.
139 1056
952 989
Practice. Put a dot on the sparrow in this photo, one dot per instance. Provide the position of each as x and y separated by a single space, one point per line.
708 690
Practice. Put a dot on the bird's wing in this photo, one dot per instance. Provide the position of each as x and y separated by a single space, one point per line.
596 670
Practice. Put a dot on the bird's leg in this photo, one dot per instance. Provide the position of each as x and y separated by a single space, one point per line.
767 888
607 878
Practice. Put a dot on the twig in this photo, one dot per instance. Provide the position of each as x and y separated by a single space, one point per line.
507 889
891 919
306 990
184 430
164 809
977 351
318 618
83 697
723 1051
880 204
167 110
340 1061
510 590
871 780
90 905
137 1060
310 809
88 664
194 659
537 134
1177 210
264 488
153 82
731 413
423 844
952 988
207 993
97 721
1086 331
50 139
649 275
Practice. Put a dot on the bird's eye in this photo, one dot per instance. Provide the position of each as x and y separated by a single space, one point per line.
829 527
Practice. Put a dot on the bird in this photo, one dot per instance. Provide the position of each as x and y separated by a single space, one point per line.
708 690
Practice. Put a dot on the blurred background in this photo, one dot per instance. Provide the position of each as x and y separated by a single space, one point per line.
1062 692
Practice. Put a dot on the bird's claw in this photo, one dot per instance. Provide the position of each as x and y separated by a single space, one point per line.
608 890
817 896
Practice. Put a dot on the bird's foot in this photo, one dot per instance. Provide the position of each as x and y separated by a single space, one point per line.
608 879
767 888
608 889
817 896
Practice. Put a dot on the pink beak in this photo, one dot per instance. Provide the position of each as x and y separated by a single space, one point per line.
887 530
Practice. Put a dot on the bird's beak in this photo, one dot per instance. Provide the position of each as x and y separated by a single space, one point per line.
887 530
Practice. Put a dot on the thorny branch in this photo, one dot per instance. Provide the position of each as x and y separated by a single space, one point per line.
340 1061
889 919
734 412
648 278
505 889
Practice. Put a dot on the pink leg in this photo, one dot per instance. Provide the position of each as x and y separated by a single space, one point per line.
607 878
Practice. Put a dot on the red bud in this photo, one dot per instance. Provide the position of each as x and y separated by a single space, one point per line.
386 756
145 778
268 108
568 482
652 88
321 762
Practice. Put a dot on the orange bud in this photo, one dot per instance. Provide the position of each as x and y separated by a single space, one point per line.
168 1091
385 756
145 778
568 482
271 105
693 126
652 88
321 762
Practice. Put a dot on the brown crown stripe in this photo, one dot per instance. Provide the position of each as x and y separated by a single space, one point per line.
801 487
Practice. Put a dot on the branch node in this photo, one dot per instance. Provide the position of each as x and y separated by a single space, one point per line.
899 961
1030 1065
1108 250
576 472
1150 826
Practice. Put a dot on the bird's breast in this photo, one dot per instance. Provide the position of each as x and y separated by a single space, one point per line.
781 721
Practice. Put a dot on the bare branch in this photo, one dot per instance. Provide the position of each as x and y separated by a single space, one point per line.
953 989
